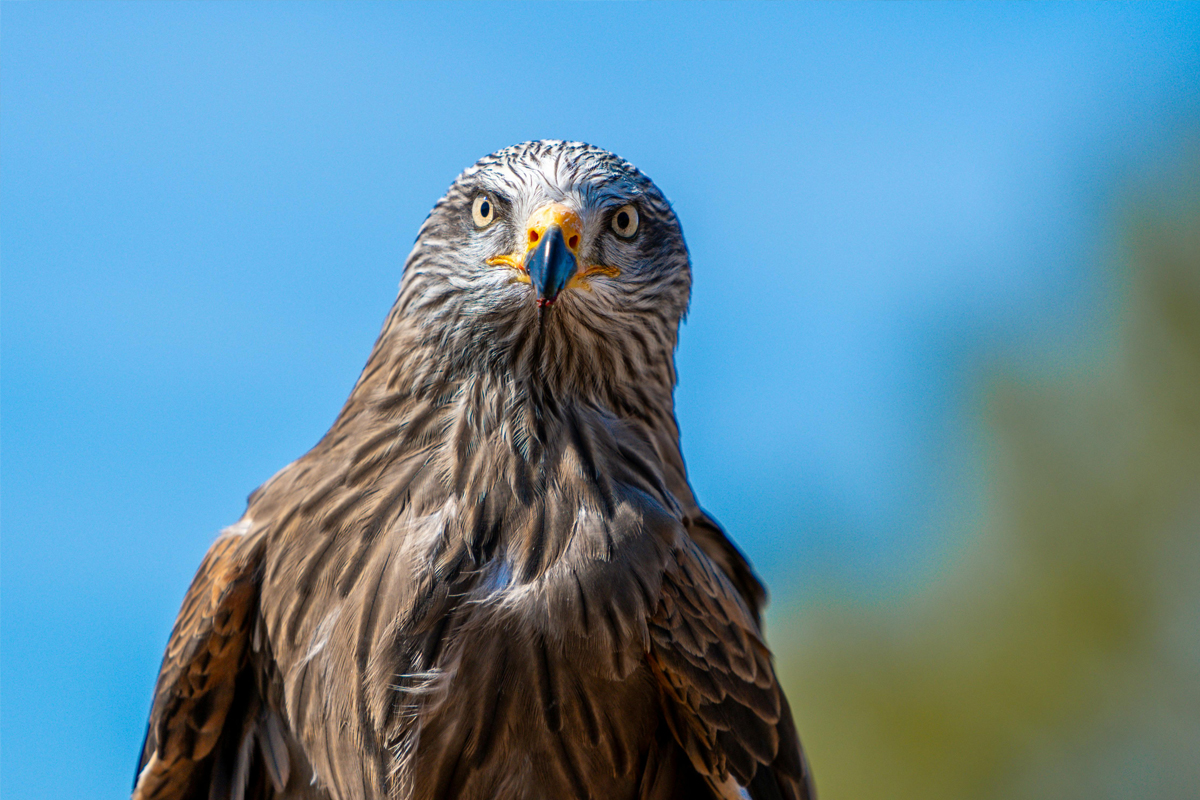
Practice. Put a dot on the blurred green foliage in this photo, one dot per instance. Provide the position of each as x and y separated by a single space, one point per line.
1058 655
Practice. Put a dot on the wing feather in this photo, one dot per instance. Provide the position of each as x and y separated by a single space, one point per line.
722 700
202 678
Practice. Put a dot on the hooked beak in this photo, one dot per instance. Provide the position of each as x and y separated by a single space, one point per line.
551 258
550 264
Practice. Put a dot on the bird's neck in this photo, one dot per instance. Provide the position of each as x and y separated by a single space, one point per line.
526 417
511 464
523 392
506 466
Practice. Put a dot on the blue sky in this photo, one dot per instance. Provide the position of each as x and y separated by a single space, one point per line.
205 209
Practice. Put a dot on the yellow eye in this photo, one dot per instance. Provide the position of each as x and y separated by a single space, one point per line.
625 221
483 211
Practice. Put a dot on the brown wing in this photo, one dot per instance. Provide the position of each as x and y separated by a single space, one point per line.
706 533
722 699
206 712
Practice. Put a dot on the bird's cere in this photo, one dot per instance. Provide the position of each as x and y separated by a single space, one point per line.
554 215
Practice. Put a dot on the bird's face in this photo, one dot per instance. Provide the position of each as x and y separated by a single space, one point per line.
557 241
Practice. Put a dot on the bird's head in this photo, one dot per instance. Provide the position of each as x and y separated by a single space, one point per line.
553 260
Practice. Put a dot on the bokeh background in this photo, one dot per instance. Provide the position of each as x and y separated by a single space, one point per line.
940 379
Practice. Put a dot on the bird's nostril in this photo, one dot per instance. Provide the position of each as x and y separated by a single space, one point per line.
573 242
533 236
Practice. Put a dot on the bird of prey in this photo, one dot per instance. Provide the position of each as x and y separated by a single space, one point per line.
490 578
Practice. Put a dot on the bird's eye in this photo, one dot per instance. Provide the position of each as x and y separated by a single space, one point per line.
483 211
625 221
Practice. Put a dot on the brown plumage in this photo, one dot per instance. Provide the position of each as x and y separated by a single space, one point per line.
490 579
